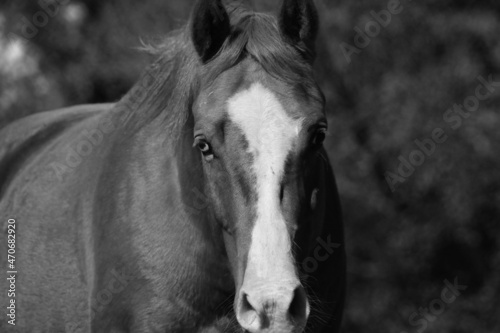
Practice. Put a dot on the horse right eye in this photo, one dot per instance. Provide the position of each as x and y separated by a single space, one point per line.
204 147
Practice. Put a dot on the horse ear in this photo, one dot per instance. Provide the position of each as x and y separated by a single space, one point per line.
210 26
299 23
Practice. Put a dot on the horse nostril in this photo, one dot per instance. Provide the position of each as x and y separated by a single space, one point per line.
249 317
245 304
299 308
282 193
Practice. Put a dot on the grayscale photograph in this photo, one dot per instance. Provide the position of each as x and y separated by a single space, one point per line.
249 166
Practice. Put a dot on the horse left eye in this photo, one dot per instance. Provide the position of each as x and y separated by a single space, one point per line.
319 137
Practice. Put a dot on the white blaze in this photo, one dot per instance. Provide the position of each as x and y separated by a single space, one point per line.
271 134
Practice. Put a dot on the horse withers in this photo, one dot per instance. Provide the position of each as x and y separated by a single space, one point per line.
202 201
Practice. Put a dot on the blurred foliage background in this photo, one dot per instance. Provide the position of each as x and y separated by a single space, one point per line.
441 223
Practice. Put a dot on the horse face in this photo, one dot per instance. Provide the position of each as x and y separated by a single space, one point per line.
255 136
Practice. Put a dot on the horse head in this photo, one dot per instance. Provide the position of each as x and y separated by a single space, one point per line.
259 123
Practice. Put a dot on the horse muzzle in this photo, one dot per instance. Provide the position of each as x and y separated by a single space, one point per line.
280 308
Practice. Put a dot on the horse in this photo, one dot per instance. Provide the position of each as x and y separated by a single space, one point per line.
201 201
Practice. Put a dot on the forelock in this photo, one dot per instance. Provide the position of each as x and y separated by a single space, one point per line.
258 36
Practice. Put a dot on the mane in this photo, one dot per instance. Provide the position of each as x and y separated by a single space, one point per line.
167 88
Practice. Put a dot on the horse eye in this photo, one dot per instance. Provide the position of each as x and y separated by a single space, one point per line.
319 137
205 149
